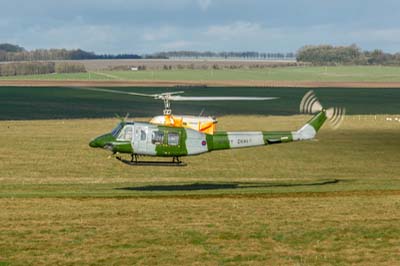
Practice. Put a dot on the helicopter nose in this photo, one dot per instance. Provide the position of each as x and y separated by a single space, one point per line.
93 143
100 141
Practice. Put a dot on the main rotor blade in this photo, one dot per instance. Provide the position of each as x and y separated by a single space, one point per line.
171 93
120 92
173 97
183 98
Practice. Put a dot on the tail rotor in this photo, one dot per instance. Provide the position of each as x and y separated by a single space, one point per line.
335 116
311 105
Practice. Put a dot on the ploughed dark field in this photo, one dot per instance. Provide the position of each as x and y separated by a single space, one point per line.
25 103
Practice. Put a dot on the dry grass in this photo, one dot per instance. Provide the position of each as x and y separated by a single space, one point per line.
334 201
356 230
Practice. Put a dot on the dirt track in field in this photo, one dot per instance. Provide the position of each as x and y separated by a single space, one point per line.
219 83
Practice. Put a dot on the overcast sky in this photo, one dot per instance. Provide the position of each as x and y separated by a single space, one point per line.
133 26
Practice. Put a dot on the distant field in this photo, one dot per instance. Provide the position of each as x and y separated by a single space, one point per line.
334 201
318 74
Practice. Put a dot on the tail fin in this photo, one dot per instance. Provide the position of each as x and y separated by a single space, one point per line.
309 130
311 104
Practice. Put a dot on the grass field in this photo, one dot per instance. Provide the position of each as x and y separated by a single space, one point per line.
334 201
339 73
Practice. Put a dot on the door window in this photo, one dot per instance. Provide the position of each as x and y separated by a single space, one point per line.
173 139
142 135
157 137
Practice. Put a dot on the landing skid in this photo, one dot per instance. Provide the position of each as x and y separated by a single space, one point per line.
136 162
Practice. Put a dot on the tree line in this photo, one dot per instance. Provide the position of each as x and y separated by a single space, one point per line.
317 55
36 68
345 55
251 55
10 52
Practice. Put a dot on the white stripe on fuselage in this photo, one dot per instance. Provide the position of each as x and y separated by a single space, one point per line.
245 139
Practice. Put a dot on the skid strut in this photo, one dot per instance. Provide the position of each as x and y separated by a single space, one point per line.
135 161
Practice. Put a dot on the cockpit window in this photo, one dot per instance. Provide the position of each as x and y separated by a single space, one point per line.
126 133
116 130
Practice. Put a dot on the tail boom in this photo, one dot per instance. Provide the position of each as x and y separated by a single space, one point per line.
222 140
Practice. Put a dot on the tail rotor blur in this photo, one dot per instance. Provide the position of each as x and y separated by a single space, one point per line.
335 116
311 105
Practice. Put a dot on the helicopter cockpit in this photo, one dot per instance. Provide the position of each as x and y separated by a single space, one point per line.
145 137
123 131
117 129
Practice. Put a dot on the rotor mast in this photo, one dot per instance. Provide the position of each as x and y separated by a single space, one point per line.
167 98
167 107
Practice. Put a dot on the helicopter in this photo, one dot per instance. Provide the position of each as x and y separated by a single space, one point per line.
176 141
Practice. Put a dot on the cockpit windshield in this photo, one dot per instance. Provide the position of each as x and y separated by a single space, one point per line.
117 129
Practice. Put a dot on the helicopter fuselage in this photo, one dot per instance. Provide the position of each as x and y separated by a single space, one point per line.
138 138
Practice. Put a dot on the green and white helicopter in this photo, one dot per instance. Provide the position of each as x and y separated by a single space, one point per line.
178 140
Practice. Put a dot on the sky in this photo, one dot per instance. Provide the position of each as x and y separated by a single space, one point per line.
133 26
